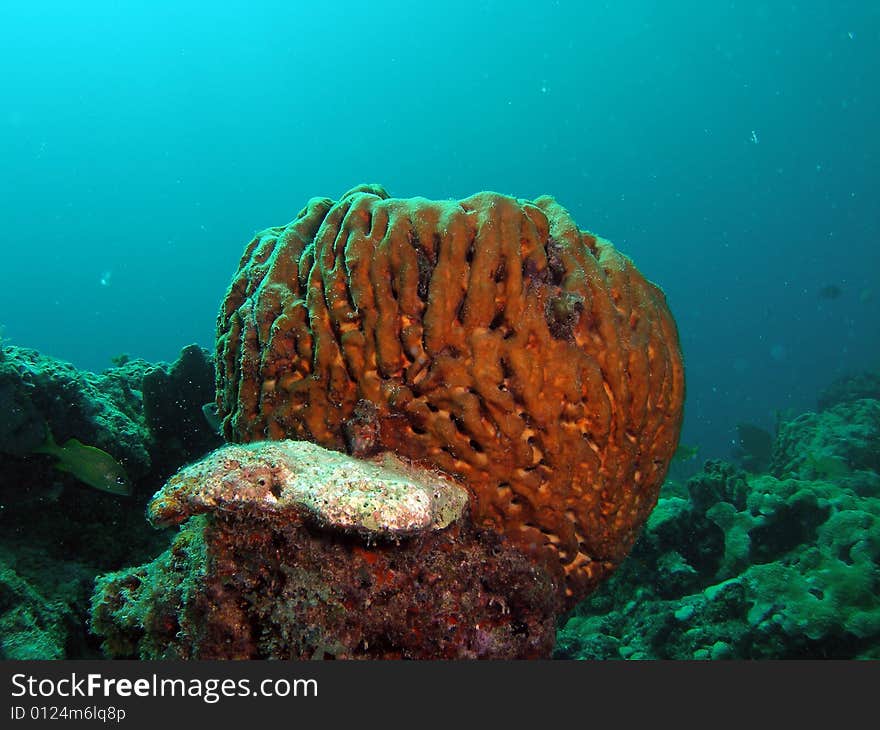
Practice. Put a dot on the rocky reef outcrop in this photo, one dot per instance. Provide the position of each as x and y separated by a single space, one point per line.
291 551
485 344
56 531
847 388
834 443
739 565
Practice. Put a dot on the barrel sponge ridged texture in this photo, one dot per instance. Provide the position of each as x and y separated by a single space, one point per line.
488 337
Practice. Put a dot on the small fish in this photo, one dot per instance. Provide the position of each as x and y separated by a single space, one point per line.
88 464
209 410
831 291
685 452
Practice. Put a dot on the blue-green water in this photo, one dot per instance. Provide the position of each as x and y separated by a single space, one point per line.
731 149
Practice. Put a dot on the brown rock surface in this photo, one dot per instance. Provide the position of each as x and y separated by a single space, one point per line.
291 551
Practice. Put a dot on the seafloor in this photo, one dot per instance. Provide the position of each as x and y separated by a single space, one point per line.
773 554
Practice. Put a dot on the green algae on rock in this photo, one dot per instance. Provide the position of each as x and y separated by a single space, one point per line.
32 625
783 565
833 443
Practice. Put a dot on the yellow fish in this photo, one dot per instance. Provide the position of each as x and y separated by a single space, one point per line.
685 452
88 464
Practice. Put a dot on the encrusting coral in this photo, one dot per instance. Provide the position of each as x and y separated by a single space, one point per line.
488 337
291 551
290 482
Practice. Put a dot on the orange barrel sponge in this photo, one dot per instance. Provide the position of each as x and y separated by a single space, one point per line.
487 337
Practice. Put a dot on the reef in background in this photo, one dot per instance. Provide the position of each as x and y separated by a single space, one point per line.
781 564
734 565
56 532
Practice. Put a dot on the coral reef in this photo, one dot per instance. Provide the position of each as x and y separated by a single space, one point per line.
832 443
730 564
57 533
173 400
307 553
753 447
487 337
752 565
104 410
47 507
34 624
849 388
147 416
